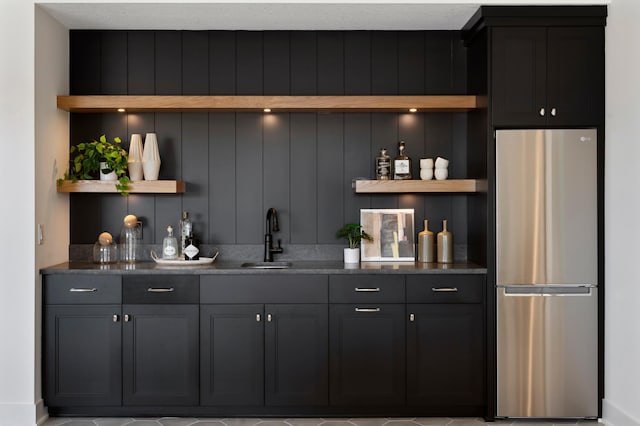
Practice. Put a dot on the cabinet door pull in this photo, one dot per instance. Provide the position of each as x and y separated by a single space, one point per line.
83 290
367 289
258 317
127 318
160 290
444 289
412 317
542 112
269 318
116 318
367 309
554 111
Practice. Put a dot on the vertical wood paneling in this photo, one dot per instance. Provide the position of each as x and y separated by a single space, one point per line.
357 137
195 171
457 170
275 172
330 63
140 63
304 182
113 75
384 63
437 63
357 62
437 144
249 215
113 206
85 71
168 63
411 130
330 166
222 63
458 66
410 62
168 128
276 63
85 218
222 182
195 63
384 134
303 59
249 63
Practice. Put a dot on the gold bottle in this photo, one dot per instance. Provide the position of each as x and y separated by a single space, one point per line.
426 244
445 245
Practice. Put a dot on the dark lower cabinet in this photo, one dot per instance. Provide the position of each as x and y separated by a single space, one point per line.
160 355
445 362
367 354
82 361
273 354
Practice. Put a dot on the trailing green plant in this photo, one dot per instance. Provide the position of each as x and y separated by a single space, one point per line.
354 233
87 156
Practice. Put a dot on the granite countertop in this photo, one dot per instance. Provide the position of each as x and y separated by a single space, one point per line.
297 267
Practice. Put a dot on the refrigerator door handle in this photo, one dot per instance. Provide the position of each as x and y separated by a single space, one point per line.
547 290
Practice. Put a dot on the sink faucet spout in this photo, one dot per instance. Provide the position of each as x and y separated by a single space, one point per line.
271 226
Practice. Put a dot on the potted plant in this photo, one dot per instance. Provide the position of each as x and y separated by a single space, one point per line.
103 158
354 234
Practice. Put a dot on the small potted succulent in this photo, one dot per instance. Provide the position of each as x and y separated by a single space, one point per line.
354 233
103 158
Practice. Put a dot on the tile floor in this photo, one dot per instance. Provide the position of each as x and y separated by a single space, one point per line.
181 421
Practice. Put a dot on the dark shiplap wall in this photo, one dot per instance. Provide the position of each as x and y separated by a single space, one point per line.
237 165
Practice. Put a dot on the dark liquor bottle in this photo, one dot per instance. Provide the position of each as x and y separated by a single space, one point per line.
191 251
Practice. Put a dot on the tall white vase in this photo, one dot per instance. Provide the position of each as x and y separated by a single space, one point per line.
151 157
134 161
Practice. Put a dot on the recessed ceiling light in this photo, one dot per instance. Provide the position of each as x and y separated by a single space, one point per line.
267 110
413 109
121 110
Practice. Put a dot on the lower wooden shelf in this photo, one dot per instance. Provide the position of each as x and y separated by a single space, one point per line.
137 187
413 186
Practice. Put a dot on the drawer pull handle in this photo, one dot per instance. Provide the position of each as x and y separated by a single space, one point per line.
160 290
367 289
444 289
367 309
83 290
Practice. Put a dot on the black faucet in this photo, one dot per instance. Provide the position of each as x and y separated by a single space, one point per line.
272 226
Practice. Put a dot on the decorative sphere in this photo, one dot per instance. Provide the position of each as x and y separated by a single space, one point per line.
130 221
105 239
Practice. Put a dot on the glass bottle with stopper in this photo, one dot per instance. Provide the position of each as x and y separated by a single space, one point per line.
402 163
170 245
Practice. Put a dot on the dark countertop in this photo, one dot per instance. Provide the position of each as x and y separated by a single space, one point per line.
298 267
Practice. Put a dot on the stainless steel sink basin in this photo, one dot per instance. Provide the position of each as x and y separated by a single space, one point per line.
267 265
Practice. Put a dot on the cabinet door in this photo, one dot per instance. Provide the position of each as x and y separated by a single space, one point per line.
296 354
82 355
367 354
445 355
518 84
575 75
231 351
160 355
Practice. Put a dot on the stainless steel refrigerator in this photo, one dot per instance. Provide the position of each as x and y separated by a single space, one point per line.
547 273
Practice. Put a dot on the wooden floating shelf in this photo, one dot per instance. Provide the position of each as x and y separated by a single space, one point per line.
416 186
137 187
428 103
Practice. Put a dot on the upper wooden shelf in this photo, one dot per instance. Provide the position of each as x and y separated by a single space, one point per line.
137 187
417 186
96 103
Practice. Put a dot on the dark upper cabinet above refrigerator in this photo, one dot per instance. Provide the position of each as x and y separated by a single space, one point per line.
547 76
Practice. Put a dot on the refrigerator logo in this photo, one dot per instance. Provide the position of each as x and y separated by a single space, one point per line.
585 139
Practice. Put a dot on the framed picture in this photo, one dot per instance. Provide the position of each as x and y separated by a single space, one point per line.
392 232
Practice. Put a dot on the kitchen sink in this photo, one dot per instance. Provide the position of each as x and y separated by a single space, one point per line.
267 265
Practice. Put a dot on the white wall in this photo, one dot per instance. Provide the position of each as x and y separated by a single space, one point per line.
622 216
17 254
51 158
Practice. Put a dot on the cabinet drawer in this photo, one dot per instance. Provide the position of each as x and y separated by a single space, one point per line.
366 288
264 289
445 288
82 289
160 289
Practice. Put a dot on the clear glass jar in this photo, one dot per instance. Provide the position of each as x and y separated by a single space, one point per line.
105 253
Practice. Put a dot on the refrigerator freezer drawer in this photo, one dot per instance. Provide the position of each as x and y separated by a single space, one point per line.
547 353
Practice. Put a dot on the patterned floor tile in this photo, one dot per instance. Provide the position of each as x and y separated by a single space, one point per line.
179 421
120 421
369 422
307 422
241 422
433 421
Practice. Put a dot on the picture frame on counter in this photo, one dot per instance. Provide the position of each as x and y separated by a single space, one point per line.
393 235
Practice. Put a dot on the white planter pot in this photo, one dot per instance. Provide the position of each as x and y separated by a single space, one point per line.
107 176
351 255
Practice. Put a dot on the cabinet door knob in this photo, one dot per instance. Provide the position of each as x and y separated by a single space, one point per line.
127 318
258 317
412 317
116 318
269 318
554 112
542 112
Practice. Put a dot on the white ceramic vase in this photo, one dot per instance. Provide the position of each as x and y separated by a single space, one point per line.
134 161
107 176
151 157
351 255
